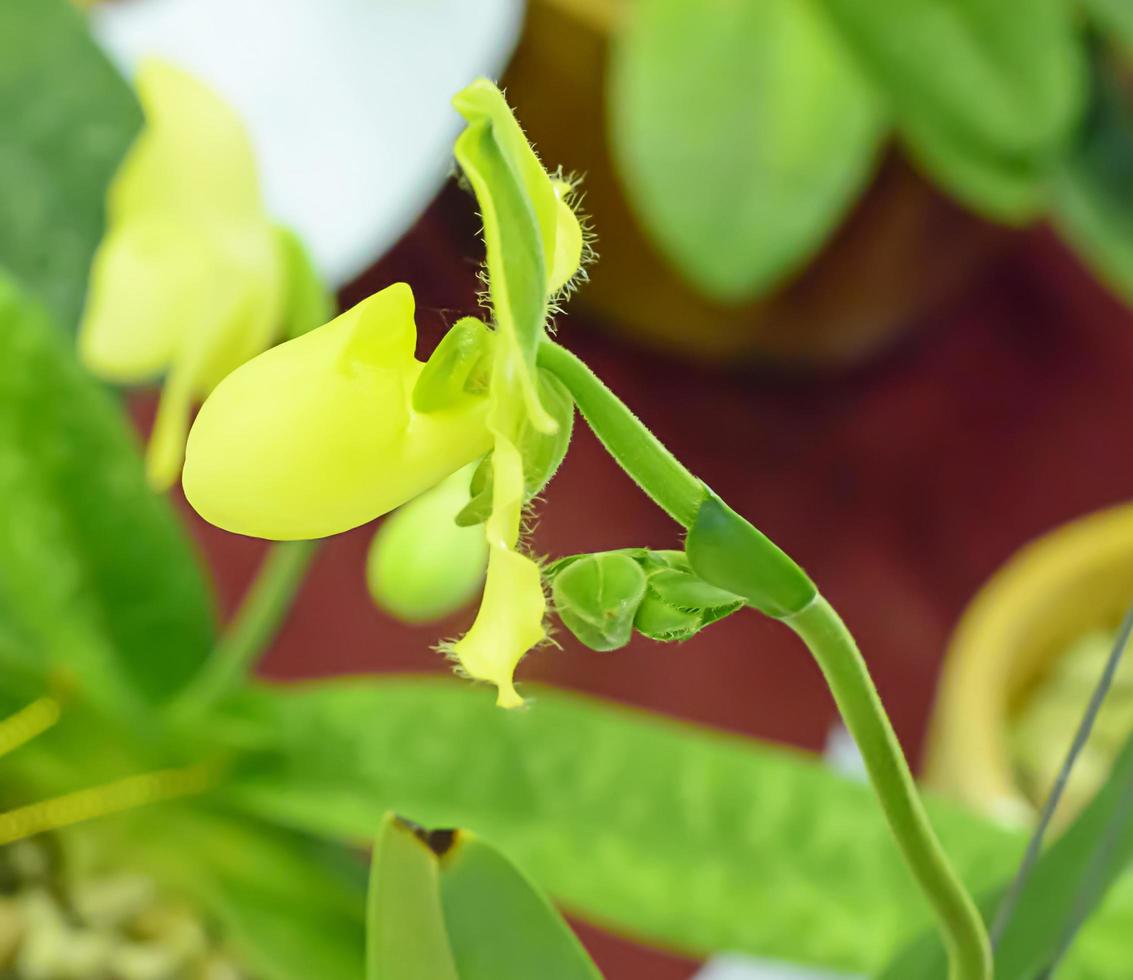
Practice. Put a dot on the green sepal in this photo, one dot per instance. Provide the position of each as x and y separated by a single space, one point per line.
500 927
307 302
678 603
457 368
542 452
726 551
406 937
597 597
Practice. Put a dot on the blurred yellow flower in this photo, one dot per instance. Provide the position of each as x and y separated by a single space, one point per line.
189 280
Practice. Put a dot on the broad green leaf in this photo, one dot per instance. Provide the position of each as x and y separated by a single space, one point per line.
499 926
405 923
1115 18
68 120
292 908
663 831
1065 884
1093 194
96 576
597 597
744 132
985 91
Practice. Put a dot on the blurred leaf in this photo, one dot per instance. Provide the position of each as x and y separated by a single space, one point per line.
1066 885
597 597
96 575
405 924
985 91
307 302
499 925
292 908
68 120
744 132
1115 18
678 835
1093 199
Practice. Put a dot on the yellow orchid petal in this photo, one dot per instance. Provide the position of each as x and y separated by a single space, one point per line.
193 157
510 619
568 242
319 434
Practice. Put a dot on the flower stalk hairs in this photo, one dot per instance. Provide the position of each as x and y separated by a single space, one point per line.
337 427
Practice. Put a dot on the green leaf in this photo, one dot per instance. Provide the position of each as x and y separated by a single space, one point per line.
405 933
1115 18
450 372
1093 195
669 833
96 575
744 131
986 91
68 120
597 597
307 302
499 925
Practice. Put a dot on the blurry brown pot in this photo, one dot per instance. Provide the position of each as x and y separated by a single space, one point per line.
903 251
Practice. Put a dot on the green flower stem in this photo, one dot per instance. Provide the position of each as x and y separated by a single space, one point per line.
254 626
682 496
827 638
637 450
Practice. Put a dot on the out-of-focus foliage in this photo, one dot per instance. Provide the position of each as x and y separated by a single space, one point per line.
68 118
96 576
745 130
448 906
760 850
1093 201
1115 18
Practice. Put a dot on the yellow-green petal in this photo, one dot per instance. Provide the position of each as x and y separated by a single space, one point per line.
421 564
319 434
568 241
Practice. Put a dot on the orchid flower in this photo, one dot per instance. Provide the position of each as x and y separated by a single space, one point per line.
333 429
191 278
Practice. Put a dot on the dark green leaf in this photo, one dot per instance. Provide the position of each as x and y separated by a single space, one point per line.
670 833
986 91
744 131
1115 17
1093 199
96 576
500 927
597 597
405 924
479 506
68 120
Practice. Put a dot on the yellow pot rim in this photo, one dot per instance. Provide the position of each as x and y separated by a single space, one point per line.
995 653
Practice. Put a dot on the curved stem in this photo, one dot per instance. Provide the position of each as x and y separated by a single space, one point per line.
637 450
254 626
682 496
847 676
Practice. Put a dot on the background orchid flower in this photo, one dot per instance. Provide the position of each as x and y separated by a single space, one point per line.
192 277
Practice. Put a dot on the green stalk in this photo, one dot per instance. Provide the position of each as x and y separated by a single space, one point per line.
666 480
261 613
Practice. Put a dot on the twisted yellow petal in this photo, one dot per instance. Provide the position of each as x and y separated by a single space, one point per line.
319 434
